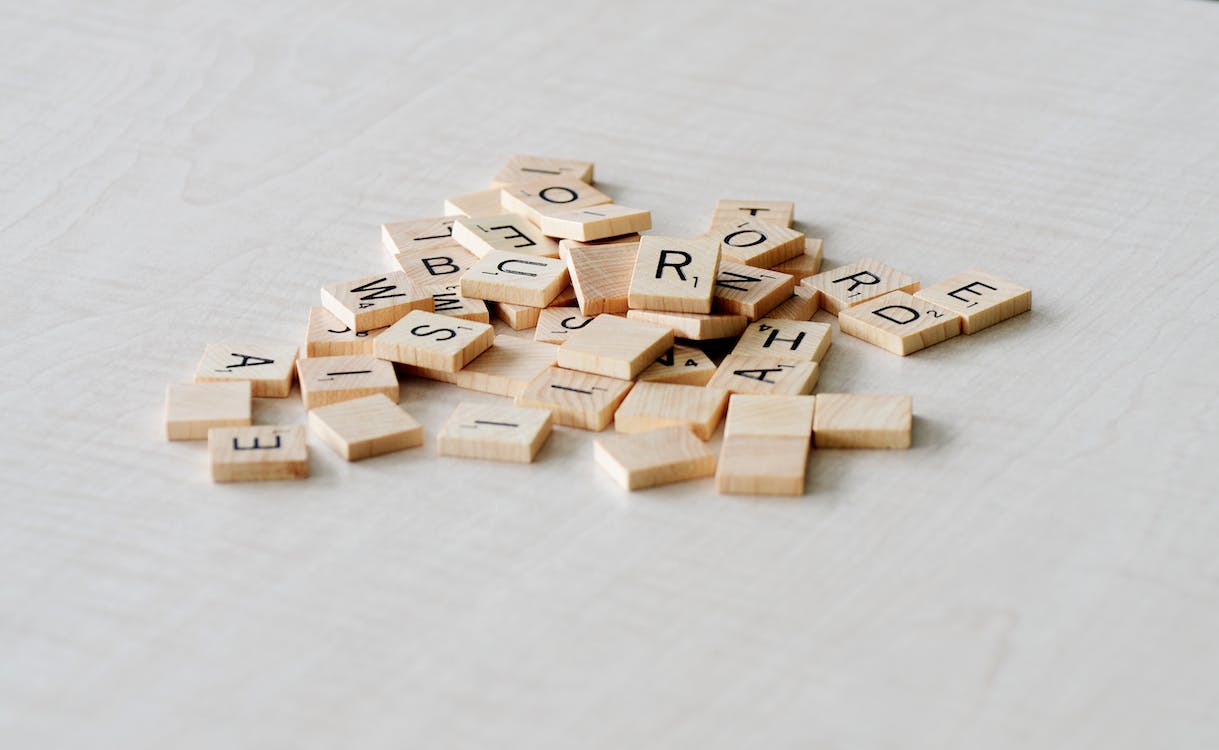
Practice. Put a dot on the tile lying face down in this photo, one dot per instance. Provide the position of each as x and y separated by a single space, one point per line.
649 459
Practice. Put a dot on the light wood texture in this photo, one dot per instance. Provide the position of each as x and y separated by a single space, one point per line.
694 326
548 196
858 420
807 263
773 212
769 416
786 339
569 244
365 427
258 453
857 283
268 367
436 266
654 406
437 342
327 336
565 298
748 291
685 365
804 302
191 409
329 380
981 299
765 375
508 232
375 301
518 317
524 168
601 275
503 370
556 324
519 279
418 235
597 222
649 459
577 399
900 323
615 347
757 243
750 465
496 432
475 205
447 300
674 274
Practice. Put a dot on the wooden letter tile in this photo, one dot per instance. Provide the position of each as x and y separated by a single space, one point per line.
365 427
615 347
556 195
773 212
556 324
376 301
648 459
787 339
329 380
854 420
496 432
805 264
856 283
481 203
899 323
752 415
327 336
653 406
522 168
681 364
757 243
601 275
765 375
268 368
437 342
507 232
751 465
675 274
752 292
576 399
418 235
565 298
191 409
694 326
803 303
519 279
979 298
437 266
248 454
565 245
597 222
447 300
504 369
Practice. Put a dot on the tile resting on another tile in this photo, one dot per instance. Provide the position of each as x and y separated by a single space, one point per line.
597 222
477 204
681 364
508 232
576 399
856 283
433 341
757 243
694 326
674 274
365 427
375 301
551 196
327 336
765 375
524 168
418 235
443 265
774 212
503 370
788 339
557 324
518 317
447 300
899 323
652 406
518 279
615 347
329 380
805 264
496 432
268 367
802 305
648 459
752 292
981 299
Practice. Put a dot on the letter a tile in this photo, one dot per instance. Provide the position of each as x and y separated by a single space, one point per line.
268 368
765 375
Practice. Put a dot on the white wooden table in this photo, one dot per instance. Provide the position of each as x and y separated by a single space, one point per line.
1040 570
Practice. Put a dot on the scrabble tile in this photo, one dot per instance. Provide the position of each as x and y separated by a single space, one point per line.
752 292
438 342
327 336
522 168
804 302
694 326
856 283
765 375
615 347
550 196
447 300
751 415
597 222
681 364
508 232
555 324
787 339
518 317
601 275
757 243
565 298
653 406
750 465
899 323
648 459
477 204
674 274
519 279
497 432
268 367
565 244
418 235
979 298
774 212
249 454
365 427
329 380
503 370
437 266
375 301
857 420
576 399
191 409
805 264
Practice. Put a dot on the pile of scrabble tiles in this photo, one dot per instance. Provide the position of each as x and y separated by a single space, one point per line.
618 318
